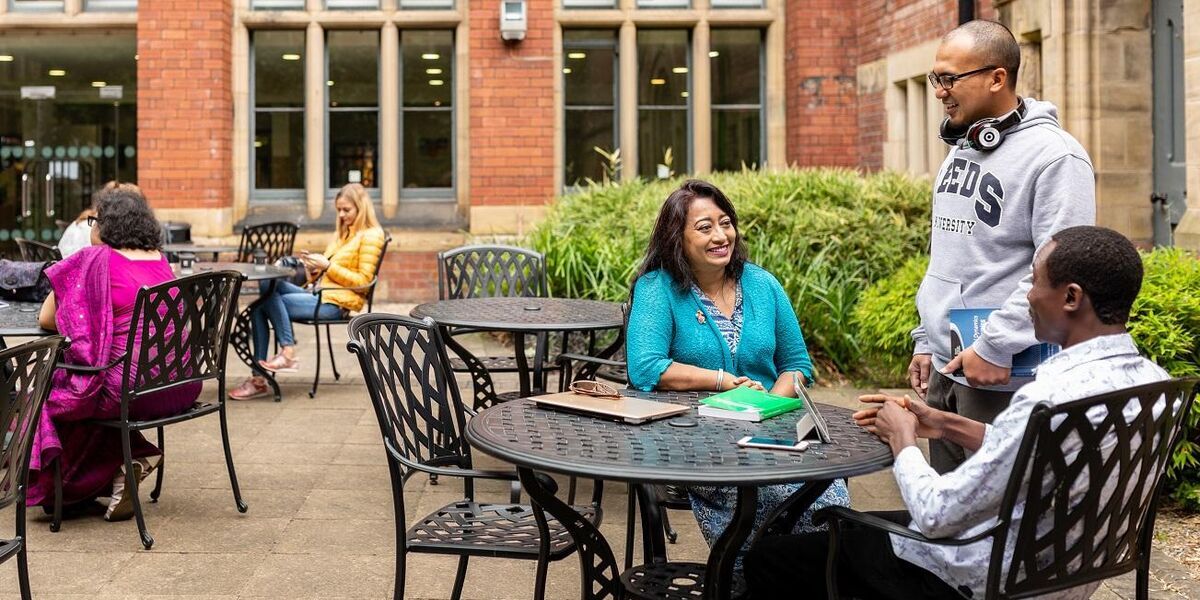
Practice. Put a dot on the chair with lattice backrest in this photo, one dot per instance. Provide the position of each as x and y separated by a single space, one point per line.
422 420
35 251
1089 510
185 323
489 271
276 239
24 386
584 363
368 292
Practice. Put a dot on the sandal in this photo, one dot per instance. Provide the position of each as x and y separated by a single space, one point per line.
249 389
280 364
120 504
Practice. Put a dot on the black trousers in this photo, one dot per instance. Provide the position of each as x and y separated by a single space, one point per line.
979 405
793 567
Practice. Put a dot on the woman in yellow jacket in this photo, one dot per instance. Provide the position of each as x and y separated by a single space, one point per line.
350 261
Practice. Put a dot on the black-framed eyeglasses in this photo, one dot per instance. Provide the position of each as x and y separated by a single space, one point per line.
92 221
946 82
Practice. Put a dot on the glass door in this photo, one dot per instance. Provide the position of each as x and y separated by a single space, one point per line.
67 125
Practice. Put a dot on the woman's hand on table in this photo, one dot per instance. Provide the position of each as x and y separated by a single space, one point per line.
744 381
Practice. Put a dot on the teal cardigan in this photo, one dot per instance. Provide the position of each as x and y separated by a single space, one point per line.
663 328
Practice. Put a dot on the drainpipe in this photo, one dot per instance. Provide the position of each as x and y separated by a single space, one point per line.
966 11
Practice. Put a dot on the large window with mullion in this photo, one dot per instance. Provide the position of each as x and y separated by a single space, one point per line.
590 105
664 103
278 113
736 58
427 123
352 117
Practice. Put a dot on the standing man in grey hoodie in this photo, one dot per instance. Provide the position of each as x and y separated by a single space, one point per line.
1012 179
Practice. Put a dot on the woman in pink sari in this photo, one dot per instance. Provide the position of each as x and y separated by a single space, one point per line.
92 304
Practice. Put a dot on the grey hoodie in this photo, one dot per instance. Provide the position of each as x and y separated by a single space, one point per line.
991 212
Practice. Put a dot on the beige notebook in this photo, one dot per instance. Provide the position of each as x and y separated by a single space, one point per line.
629 410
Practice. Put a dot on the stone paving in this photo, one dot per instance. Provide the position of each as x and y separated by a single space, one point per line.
320 521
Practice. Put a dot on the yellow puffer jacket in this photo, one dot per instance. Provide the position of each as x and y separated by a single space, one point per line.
352 263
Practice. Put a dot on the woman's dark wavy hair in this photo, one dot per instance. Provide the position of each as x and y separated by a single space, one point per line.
125 219
665 250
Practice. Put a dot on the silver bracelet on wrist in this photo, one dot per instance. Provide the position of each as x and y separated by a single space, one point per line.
720 378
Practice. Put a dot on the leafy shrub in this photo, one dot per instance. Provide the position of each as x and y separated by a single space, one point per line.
826 234
885 315
1165 322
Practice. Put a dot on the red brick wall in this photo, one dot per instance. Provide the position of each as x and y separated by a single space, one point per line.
821 91
886 26
512 108
185 103
409 276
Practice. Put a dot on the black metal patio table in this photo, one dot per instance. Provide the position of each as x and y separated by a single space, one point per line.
536 439
174 250
20 319
521 316
240 338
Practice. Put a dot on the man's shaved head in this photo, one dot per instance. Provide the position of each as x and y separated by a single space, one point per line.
994 44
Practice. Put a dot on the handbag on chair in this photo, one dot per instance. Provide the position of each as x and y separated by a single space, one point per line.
22 281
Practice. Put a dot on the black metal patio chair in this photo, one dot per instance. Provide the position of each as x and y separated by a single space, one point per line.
25 385
583 362
185 325
1089 513
422 419
367 290
35 251
488 271
276 239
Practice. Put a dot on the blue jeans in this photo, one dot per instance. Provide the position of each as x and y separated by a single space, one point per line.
284 301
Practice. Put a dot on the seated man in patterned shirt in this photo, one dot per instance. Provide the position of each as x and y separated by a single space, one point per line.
1084 282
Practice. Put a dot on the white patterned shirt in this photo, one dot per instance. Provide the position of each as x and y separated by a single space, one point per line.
966 501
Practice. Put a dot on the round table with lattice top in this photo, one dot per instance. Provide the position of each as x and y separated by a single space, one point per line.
519 316
538 439
20 319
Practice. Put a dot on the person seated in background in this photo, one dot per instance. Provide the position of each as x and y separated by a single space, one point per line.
92 303
707 319
350 261
1085 280
78 235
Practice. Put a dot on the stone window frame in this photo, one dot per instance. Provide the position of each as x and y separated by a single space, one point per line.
626 17
913 112
266 194
560 74
316 198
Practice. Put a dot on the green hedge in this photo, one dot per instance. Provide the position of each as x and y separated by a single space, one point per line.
1165 323
826 234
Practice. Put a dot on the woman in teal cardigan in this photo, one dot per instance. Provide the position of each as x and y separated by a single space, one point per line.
703 318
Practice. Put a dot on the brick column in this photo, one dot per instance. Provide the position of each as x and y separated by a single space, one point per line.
512 119
822 122
185 112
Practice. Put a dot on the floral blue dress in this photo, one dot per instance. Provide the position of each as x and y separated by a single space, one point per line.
713 506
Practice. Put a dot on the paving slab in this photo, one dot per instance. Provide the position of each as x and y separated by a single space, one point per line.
320 523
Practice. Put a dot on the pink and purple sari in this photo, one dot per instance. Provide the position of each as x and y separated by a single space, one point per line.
94 290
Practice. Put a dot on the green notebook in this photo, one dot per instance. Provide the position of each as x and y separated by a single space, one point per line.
745 404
